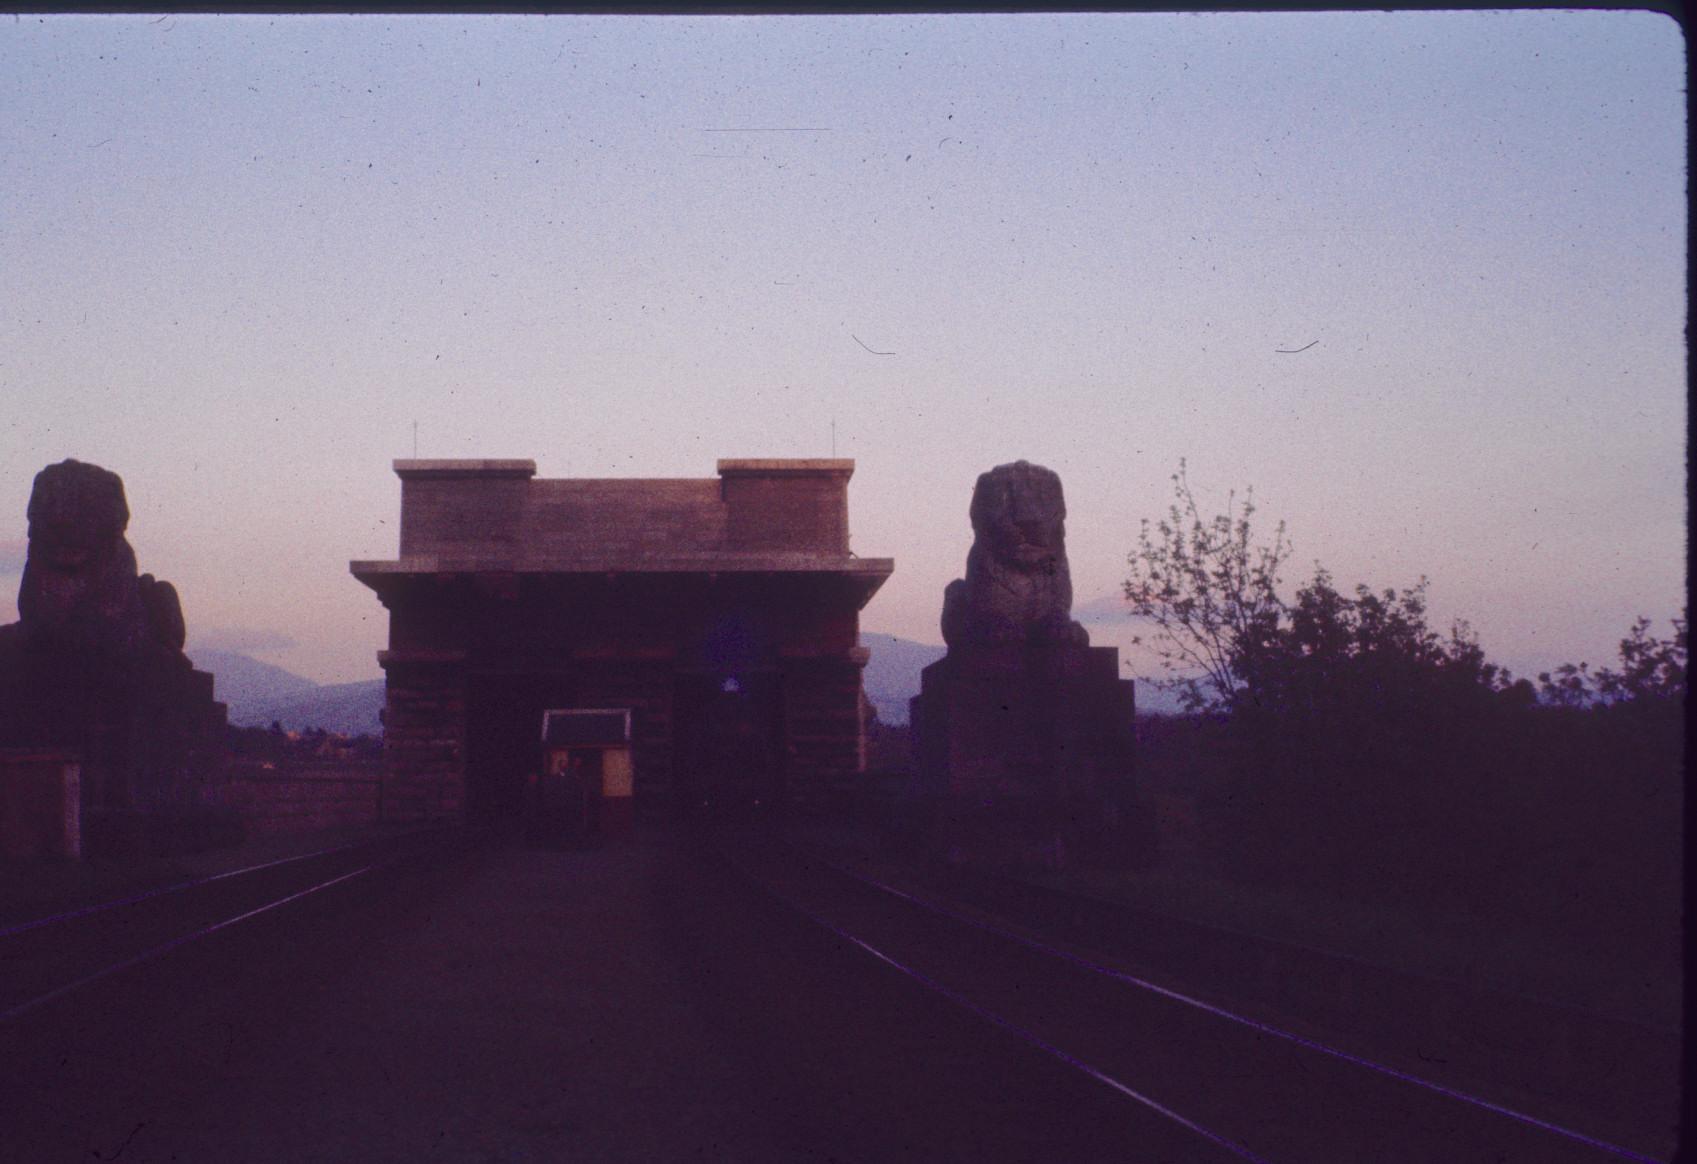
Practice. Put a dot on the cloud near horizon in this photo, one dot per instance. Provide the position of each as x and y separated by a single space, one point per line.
1108 608
242 640
13 551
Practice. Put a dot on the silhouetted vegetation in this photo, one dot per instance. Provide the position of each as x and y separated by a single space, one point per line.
1339 742
274 745
1207 587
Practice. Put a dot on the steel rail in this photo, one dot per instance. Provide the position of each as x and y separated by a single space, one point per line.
1027 1036
1220 1012
179 886
166 947
1354 961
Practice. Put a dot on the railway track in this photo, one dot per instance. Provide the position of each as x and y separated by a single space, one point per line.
50 960
1239 1088
114 1015
893 1024
1616 1078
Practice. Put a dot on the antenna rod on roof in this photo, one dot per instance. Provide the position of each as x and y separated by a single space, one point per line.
833 436
415 440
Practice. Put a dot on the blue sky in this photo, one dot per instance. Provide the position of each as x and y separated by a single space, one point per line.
240 257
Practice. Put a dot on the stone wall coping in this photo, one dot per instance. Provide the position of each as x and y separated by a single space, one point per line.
728 562
786 466
412 469
409 468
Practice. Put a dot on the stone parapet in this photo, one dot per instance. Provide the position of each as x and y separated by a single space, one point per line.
786 505
299 797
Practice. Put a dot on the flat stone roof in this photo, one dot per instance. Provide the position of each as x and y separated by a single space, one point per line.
481 467
771 562
412 467
801 466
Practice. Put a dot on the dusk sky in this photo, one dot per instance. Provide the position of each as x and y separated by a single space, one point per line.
242 257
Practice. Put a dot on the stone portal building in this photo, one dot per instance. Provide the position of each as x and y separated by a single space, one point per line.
721 613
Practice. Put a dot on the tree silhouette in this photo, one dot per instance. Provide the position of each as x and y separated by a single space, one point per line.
1352 746
1210 589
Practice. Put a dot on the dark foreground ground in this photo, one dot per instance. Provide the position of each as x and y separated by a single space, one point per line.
630 1003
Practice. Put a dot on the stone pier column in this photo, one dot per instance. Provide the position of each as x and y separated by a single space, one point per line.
424 735
824 725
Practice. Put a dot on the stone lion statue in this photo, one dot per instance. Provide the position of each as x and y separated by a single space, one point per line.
80 591
1017 587
95 666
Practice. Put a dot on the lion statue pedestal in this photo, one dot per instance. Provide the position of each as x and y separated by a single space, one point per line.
1023 732
94 671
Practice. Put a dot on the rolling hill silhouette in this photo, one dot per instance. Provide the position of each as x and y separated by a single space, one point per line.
259 694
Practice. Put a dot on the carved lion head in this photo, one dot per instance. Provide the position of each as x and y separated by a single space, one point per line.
79 585
77 514
1018 513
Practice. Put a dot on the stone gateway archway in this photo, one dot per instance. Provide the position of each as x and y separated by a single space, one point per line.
722 613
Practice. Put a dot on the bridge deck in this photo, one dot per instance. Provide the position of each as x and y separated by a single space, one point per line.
659 999
535 1011
627 1003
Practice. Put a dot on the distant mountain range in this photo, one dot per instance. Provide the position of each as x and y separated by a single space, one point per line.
891 677
259 694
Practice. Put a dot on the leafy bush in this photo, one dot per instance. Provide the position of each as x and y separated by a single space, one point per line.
1358 750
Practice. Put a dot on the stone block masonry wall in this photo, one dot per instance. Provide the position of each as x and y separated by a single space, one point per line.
295 797
569 519
823 713
40 804
424 741
776 505
446 509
